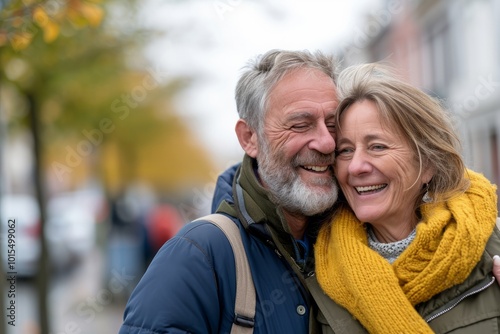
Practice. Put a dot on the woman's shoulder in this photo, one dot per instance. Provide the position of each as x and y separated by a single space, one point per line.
470 307
493 245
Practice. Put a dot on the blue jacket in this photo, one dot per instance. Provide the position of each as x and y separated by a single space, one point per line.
190 285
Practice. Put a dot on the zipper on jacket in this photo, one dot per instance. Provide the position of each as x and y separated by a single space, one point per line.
456 302
309 274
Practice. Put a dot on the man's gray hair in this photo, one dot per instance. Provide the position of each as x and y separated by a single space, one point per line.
265 71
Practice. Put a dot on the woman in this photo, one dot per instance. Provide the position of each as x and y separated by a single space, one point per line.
414 252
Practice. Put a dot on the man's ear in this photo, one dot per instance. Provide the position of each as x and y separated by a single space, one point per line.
247 138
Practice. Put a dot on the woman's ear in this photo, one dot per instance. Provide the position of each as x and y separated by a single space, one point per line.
427 174
247 138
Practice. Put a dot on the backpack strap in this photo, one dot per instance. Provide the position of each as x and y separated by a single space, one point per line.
244 308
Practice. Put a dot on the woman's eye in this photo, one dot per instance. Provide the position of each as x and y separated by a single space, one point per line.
378 147
344 151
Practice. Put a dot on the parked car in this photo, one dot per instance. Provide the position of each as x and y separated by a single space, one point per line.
24 211
70 229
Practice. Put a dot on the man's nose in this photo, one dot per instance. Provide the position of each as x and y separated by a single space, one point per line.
323 140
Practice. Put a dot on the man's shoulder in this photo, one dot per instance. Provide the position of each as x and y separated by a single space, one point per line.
184 281
203 235
203 228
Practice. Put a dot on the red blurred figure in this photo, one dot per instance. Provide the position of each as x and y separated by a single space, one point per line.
164 222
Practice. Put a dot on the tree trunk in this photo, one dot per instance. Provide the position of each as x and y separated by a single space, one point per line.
43 277
3 250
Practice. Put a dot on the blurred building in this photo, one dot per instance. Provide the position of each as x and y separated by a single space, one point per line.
451 49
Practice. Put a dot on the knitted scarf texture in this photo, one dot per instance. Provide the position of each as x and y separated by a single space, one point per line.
450 240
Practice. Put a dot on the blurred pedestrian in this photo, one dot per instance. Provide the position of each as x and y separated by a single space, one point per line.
164 221
127 240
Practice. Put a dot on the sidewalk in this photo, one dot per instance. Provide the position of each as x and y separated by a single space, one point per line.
85 300
88 304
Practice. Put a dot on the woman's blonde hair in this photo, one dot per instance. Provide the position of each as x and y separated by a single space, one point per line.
418 117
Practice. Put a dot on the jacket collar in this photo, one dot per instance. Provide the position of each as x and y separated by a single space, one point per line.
254 201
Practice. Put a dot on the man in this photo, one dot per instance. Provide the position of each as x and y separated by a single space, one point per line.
286 102
282 191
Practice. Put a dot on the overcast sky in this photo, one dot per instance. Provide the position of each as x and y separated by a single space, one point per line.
212 40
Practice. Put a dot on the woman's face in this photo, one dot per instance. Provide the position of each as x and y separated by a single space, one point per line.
377 169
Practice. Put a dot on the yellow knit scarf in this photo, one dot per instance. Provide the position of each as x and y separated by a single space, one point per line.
449 242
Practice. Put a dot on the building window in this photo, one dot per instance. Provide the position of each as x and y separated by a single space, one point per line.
439 57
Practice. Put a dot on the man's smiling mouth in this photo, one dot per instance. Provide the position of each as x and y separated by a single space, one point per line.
319 169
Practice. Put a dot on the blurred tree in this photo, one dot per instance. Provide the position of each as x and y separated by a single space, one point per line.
20 25
93 105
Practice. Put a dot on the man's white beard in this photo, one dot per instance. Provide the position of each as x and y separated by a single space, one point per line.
288 189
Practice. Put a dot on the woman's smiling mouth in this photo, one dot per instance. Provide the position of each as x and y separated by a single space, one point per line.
370 189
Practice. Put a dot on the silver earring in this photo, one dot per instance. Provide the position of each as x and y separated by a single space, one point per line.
426 198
